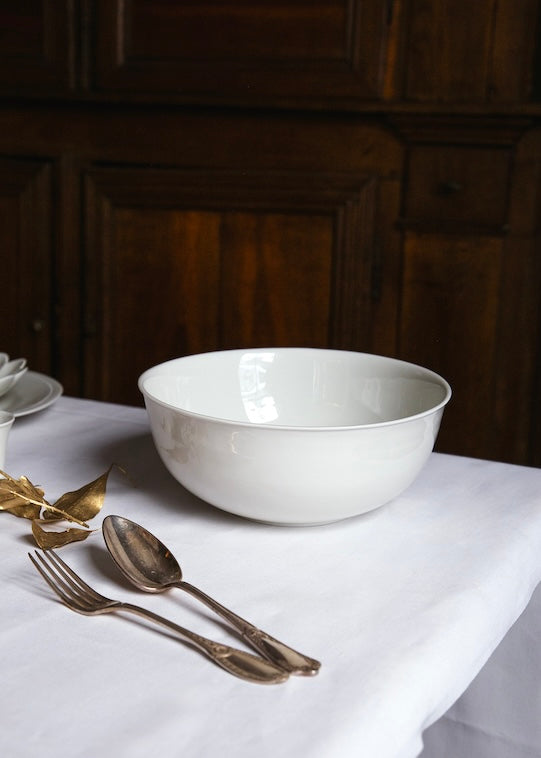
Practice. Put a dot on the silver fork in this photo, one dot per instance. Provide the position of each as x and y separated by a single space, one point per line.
80 597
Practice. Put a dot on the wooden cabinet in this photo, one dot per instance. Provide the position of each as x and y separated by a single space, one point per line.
182 177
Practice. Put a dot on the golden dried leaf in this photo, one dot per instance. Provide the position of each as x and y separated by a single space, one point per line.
32 490
22 510
84 503
20 497
47 540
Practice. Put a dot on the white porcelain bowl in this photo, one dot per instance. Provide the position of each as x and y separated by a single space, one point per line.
294 435
10 372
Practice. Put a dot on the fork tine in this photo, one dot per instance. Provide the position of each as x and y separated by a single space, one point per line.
64 585
73 579
57 589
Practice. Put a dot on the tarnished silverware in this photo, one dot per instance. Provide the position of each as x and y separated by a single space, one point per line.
150 566
80 597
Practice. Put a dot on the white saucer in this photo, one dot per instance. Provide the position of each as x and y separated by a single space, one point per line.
32 393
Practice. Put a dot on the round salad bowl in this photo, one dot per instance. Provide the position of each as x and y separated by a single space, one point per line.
294 436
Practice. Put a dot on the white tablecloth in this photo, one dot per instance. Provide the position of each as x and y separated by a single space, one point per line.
499 715
403 606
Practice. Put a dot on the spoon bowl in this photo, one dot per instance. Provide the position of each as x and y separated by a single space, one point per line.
141 557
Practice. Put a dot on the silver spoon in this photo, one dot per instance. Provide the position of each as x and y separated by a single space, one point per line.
151 567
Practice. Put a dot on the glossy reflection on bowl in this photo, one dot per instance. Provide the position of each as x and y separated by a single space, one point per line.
294 435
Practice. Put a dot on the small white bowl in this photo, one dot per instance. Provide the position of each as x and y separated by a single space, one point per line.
11 372
6 422
294 436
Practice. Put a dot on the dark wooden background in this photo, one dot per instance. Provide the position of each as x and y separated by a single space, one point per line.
178 177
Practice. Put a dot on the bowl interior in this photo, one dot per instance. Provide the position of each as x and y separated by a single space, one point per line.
296 387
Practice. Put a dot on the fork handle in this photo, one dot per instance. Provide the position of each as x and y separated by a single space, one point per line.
280 654
237 662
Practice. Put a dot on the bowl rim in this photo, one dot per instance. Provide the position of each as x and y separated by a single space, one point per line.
154 371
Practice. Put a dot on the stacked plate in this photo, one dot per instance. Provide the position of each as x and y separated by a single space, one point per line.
23 391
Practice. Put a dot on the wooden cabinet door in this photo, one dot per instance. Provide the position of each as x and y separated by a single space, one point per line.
467 313
26 308
182 261
299 52
449 323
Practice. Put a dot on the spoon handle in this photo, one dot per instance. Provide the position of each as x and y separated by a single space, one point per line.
280 654
237 662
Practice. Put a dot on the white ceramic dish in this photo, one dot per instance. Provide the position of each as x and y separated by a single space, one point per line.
33 393
6 422
294 435
11 372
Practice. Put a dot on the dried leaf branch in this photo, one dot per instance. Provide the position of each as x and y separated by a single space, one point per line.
23 499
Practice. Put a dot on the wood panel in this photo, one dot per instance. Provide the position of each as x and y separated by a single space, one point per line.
513 61
183 261
252 52
275 279
449 323
37 46
518 395
517 379
26 302
457 51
